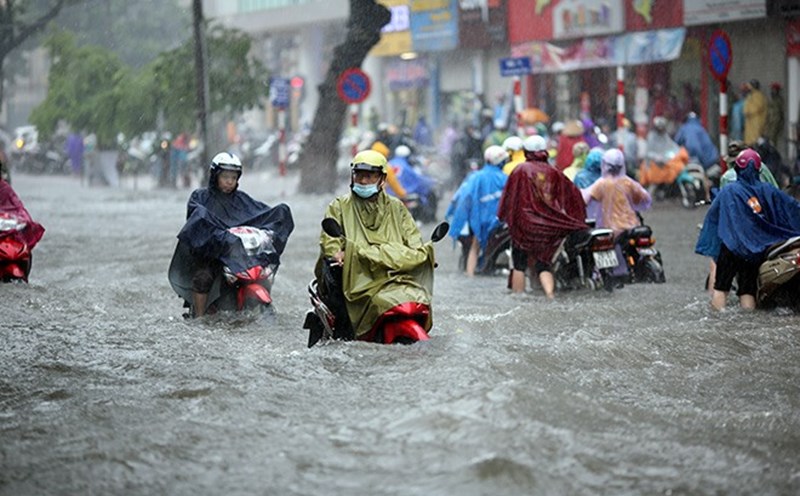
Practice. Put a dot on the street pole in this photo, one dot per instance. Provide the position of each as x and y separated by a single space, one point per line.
518 104
621 108
201 82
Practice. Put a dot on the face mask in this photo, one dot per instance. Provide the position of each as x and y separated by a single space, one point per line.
365 191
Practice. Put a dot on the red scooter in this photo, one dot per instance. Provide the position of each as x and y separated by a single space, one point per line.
328 319
15 255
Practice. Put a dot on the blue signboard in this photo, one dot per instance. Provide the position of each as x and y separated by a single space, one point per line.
434 25
516 66
279 91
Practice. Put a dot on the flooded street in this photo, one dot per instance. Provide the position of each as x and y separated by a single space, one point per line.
106 389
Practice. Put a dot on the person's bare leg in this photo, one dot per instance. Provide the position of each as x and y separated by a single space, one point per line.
747 302
200 301
718 299
712 275
517 281
472 256
548 283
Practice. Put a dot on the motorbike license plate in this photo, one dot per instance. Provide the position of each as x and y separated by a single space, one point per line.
605 259
646 251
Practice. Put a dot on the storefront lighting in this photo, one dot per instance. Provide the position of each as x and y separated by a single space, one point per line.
408 55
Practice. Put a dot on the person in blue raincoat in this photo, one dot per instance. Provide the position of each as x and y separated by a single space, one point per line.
745 219
412 181
476 207
693 136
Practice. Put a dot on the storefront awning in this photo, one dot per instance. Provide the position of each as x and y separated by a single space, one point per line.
637 48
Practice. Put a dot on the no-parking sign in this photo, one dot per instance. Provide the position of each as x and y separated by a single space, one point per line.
353 86
720 55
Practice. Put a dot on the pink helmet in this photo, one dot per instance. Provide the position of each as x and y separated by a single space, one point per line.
746 157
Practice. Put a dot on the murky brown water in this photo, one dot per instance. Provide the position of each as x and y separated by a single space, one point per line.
105 389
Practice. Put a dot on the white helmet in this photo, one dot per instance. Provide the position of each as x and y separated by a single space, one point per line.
495 155
534 143
402 151
226 161
513 143
557 127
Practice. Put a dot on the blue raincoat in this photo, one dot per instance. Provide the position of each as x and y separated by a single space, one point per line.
591 169
475 203
412 181
748 216
697 142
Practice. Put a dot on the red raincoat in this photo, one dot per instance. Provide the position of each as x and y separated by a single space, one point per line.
541 206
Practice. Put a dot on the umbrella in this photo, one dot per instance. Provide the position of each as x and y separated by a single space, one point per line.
532 115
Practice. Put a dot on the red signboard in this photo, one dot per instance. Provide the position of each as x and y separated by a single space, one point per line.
534 20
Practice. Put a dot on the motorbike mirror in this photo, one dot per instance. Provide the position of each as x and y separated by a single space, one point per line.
440 231
332 228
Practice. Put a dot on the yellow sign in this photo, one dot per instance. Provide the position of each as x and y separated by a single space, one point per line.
395 36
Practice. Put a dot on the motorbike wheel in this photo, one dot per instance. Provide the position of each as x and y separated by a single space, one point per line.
652 271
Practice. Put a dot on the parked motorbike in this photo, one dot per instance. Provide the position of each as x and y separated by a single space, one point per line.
328 319
234 291
778 281
641 256
692 185
586 259
496 259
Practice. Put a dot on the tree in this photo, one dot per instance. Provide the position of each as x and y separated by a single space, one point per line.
18 22
90 88
86 86
318 158
236 80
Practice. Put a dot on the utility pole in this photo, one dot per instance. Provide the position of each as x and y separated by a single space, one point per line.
201 79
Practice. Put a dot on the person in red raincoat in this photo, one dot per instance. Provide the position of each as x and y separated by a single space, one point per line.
541 206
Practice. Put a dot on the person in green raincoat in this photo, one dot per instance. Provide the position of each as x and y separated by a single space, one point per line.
383 261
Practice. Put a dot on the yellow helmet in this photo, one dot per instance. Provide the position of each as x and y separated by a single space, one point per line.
369 160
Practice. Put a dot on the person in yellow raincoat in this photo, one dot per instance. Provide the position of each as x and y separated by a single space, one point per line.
382 258
513 145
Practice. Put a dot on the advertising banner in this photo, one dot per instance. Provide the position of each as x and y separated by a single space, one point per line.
481 23
628 49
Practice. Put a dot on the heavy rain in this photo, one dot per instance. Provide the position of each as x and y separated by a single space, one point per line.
108 386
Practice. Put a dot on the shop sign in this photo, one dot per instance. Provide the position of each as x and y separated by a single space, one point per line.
395 36
434 25
696 12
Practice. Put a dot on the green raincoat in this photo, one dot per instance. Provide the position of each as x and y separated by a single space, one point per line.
385 263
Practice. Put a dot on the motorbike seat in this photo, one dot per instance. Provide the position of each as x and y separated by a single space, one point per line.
783 246
639 232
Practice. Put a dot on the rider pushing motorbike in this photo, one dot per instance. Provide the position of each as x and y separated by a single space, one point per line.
380 262
205 244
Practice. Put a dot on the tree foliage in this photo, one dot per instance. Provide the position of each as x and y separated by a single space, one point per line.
236 81
92 90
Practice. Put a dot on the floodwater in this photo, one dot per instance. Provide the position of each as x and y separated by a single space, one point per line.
106 389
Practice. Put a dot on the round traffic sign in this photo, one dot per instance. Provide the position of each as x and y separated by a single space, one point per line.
353 86
720 54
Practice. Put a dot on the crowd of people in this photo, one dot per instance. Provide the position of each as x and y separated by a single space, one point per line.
550 183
